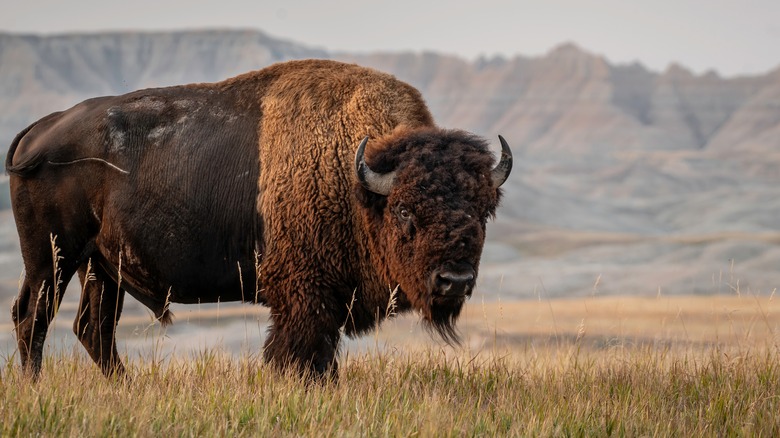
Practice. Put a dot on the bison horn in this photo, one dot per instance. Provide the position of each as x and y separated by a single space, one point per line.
379 183
500 173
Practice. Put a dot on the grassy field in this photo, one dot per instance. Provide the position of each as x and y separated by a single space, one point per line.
685 366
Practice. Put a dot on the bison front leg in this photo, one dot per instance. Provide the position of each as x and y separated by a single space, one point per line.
306 339
97 318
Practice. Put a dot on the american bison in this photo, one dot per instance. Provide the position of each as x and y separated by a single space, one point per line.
316 188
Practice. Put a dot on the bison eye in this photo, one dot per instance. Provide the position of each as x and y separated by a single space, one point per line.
404 213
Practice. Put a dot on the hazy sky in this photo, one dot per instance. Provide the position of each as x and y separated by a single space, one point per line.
731 36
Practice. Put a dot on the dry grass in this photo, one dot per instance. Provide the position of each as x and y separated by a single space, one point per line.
687 366
682 323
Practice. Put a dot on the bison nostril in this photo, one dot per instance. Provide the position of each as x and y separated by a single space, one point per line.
443 284
451 283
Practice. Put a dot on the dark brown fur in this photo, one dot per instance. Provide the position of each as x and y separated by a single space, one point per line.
169 190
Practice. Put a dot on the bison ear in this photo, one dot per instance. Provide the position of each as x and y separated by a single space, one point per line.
500 173
379 183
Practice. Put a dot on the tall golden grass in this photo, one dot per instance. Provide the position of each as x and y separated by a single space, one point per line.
659 366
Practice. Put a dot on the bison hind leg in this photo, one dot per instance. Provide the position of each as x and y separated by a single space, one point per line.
49 269
160 308
98 314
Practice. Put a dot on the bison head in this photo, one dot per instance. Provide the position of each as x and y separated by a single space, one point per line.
428 195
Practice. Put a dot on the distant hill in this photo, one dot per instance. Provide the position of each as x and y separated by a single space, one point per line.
648 179
568 101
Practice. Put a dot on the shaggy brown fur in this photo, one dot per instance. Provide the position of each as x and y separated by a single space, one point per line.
168 190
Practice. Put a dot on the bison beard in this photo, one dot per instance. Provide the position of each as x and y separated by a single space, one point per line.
441 318
324 184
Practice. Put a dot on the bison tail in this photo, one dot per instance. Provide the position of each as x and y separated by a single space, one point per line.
165 318
25 167
163 313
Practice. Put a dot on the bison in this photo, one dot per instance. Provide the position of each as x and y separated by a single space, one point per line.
320 189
